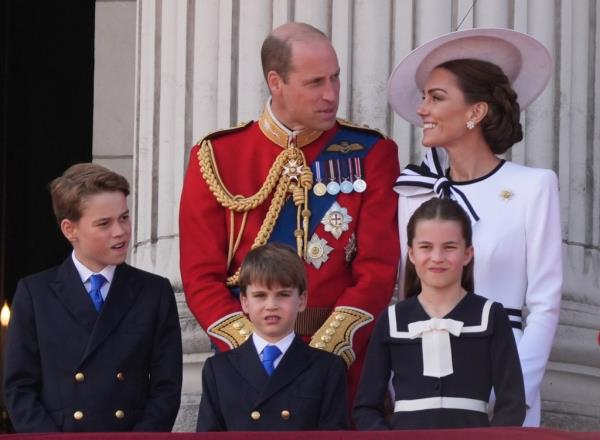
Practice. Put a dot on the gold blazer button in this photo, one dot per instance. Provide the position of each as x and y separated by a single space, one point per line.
79 377
78 415
119 414
255 415
120 376
285 414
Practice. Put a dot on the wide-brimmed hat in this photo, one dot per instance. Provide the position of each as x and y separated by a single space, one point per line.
524 60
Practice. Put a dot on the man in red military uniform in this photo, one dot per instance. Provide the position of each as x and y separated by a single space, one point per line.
300 176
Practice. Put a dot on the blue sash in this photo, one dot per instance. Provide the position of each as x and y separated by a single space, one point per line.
283 231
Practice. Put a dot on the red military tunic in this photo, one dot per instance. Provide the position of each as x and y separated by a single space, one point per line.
358 274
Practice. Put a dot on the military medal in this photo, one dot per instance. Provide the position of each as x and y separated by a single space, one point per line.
350 248
319 189
336 220
346 185
359 184
317 251
292 169
333 187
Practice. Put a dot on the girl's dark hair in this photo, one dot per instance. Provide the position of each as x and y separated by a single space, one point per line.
438 209
485 81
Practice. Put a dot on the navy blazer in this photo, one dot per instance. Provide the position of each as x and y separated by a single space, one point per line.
307 391
69 368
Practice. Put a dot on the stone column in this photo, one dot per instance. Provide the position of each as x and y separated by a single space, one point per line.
163 132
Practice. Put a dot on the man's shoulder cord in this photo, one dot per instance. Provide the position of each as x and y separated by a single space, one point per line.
289 173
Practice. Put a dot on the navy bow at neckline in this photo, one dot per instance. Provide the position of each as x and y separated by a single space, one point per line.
430 174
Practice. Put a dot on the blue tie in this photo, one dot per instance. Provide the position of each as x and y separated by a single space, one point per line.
269 354
96 281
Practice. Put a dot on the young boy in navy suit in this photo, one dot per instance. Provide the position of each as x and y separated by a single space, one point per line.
273 381
93 344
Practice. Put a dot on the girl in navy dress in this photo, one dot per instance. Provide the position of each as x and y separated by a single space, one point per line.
444 348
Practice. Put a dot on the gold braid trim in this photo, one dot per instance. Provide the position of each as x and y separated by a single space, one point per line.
210 173
336 334
276 179
233 329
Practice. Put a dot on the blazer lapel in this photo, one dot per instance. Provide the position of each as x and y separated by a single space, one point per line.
71 292
295 360
247 363
121 297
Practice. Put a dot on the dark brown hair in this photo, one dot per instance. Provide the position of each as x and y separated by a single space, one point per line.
276 51
273 264
485 81
438 209
79 181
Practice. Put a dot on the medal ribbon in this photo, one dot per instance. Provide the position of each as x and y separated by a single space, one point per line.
357 168
320 205
318 170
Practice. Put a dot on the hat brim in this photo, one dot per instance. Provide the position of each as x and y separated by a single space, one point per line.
524 60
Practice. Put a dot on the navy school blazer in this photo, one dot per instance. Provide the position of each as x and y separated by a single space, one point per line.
69 368
307 391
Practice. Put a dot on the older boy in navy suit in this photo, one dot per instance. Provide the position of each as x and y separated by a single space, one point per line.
93 344
273 381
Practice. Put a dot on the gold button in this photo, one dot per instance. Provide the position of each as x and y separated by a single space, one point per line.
285 414
330 331
340 317
120 376
119 414
237 325
320 345
325 338
255 415
334 324
243 332
78 415
79 377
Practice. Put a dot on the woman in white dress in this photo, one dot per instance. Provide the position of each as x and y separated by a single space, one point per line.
467 89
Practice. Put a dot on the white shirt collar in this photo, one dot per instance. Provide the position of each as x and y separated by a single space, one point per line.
279 123
85 273
283 344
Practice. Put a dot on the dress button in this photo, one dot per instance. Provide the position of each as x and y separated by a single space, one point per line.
285 414
120 376
119 414
79 377
78 415
255 415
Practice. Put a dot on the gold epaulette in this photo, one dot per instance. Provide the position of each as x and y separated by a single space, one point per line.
350 124
233 329
221 131
336 334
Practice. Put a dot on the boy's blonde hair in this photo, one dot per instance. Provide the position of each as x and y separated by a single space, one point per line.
271 265
79 181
